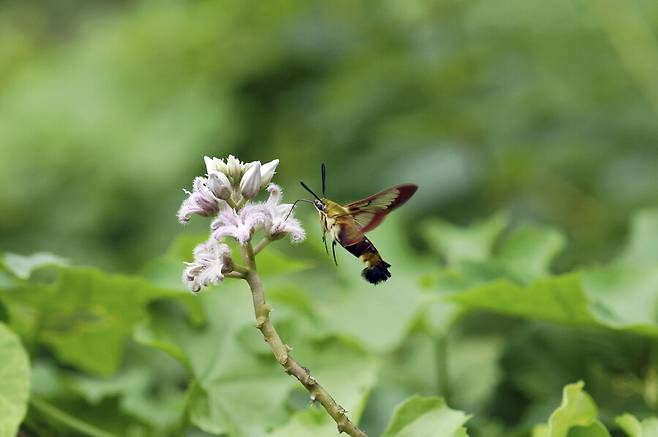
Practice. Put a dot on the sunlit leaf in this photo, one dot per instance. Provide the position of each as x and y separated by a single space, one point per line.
429 417
23 266
642 248
578 412
634 428
15 386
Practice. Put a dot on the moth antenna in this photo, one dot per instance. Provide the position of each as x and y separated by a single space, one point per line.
324 180
310 191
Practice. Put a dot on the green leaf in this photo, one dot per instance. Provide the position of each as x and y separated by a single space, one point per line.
634 428
23 266
558 299
391 306
391 309
618 297
346 373
577 410
431 417
642 248
15 386
473 243
235 391
624 296
474 370
85 315
596 429
528 250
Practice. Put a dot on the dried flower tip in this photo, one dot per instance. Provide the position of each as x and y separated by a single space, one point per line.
250 183
267 172
200 201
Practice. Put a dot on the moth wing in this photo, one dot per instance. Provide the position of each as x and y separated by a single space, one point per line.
350 231
371 211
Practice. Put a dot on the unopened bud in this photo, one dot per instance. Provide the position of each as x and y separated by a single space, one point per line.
250 183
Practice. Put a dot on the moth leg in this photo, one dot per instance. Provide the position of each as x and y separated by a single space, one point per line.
324 240
333 250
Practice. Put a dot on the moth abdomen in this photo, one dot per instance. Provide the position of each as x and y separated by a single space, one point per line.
376 270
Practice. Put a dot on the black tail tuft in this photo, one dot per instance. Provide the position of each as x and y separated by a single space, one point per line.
377 273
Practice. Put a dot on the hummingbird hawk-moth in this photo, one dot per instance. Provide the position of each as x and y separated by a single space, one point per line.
348 224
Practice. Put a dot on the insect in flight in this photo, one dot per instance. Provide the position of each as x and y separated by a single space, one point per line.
348 224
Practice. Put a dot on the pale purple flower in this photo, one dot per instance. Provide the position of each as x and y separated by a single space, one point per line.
280 217
250 183
200 201
211 260
267 172
239 225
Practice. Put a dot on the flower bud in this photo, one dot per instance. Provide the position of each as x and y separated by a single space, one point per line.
234 168
210 164
250 183
267 172
219 185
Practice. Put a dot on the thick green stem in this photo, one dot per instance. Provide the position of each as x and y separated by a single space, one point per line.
66 419
282 351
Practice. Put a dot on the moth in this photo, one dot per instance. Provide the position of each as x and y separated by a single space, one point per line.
348 224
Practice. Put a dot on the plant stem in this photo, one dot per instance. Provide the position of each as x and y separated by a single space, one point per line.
262 244
282 351
66 419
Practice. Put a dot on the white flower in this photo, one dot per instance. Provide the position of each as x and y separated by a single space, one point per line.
239 225
250 183
219 185
211 164
267 172
211 260
280 218
234 168
200 201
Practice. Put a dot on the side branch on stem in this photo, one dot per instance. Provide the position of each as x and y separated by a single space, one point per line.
282 351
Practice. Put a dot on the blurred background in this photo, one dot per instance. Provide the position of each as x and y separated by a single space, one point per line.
548 110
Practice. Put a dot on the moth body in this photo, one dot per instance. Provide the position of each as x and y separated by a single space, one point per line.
348 224
337 220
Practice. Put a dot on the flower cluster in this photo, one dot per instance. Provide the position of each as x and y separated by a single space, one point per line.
226 193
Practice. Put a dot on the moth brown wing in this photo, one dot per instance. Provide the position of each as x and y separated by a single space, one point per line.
371 211
350 231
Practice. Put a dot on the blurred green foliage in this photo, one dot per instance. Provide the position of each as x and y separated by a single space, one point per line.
548 110
526 262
